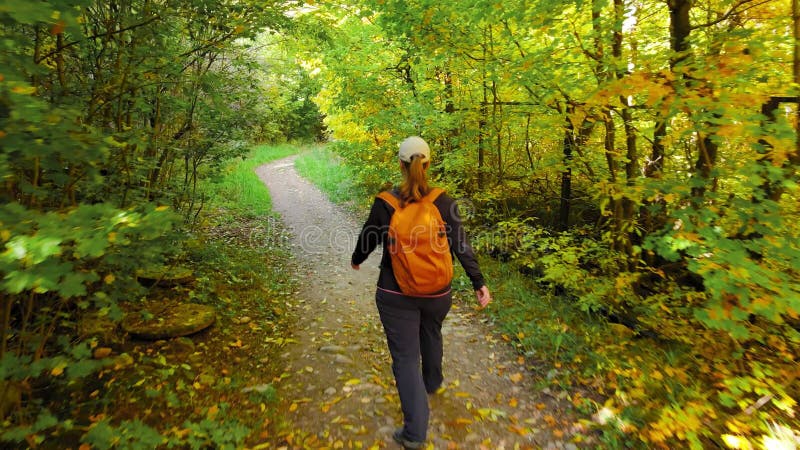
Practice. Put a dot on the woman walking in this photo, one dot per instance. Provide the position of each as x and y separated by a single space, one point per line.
419 228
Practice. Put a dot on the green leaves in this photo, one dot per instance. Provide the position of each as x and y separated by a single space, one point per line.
132 434
47 260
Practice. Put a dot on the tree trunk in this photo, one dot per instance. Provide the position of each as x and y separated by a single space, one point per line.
528 141
482 120
679 29
566 175
771 189
706 159
795 157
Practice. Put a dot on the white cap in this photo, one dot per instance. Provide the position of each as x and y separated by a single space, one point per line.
414 145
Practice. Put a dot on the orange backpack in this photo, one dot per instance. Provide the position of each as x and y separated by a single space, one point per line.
417 244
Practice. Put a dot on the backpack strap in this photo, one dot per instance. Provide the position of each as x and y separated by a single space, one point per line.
394 202
389 198
434 194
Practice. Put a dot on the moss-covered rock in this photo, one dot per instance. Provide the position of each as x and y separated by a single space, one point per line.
173 321
165 276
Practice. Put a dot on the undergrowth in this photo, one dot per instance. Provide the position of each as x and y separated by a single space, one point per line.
238 187
340 185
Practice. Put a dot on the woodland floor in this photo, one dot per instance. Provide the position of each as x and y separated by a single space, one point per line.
337 390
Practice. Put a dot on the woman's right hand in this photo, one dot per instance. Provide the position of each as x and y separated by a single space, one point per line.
483 296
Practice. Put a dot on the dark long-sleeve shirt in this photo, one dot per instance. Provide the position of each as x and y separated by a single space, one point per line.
376 228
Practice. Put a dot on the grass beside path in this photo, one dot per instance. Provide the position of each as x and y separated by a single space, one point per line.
337 180
240 189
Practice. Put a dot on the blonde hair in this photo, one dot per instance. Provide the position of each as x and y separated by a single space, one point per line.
415 180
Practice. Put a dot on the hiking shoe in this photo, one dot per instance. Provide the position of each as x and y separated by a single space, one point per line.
407 445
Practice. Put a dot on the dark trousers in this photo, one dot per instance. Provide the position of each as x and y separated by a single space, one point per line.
413 328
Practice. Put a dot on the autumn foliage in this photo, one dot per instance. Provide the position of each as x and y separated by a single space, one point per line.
639 158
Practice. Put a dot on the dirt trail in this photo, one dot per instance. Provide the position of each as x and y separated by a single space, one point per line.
338 389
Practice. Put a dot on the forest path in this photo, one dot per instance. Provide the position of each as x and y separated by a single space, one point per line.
337 389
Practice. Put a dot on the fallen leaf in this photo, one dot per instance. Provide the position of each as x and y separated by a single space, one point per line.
491 414
513 402
460 422
515 377
101 352
518 430
212 411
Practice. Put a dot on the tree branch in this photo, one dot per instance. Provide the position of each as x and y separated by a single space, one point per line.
733 10
96 36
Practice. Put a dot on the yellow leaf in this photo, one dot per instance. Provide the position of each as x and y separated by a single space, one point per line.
213 411
736 442
58 370
515 377
352 382
24 90
109 278
520 335
518 430
513 402
162 208
462 394
293 407
463 421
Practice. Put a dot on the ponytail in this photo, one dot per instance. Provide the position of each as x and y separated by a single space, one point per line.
415 181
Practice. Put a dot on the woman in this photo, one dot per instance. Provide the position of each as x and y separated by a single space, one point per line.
413 324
